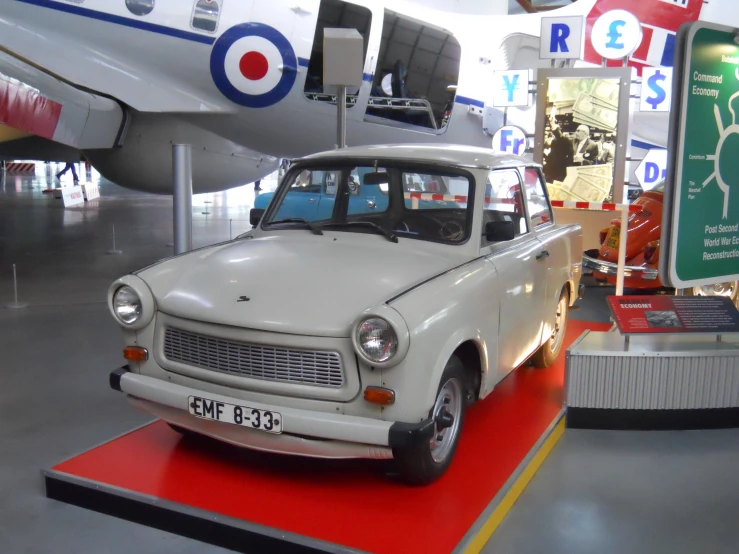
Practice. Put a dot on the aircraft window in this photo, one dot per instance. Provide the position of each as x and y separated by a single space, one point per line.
205 15
140 7
416 76
332 14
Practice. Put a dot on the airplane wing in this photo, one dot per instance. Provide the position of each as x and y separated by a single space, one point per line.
148 71
34 102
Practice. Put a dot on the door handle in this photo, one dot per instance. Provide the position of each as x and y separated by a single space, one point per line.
311 200
543 254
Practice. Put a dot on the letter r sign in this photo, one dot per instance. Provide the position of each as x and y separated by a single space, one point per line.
562 37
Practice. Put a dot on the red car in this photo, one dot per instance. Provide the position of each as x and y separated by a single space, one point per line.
642 251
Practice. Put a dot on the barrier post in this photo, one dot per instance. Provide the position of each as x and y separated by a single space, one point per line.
623 233
114 250
16 304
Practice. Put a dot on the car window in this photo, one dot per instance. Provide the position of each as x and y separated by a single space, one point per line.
415 204
504 200
330 183
307 182
541 213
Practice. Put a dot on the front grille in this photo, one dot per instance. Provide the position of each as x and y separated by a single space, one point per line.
285 365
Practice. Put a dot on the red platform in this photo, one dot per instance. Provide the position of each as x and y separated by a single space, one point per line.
354 504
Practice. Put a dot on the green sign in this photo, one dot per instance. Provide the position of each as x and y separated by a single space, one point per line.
704 197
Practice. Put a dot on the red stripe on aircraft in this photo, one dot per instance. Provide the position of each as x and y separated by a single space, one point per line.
25 109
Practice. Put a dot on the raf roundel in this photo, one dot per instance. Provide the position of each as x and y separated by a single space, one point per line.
253 65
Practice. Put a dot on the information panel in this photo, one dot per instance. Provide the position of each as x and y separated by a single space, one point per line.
702 197
674 314
582 122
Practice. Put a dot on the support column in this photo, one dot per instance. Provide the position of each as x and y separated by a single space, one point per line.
341 118
182 190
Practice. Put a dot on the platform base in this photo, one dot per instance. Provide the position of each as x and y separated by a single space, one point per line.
652 420
236 535
257 502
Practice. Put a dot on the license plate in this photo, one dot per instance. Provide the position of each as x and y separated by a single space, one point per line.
613 238
263 420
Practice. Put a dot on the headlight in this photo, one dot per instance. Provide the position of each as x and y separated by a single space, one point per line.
127 305
377 339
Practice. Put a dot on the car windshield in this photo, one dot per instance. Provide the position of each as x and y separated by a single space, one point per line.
385 199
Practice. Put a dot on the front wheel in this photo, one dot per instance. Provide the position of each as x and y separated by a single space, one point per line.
426 461
549 351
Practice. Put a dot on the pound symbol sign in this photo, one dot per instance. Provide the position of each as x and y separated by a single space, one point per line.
659 92
615 35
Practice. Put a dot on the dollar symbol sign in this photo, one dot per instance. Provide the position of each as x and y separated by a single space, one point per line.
653 83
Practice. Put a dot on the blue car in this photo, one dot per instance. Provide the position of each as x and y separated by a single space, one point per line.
312 195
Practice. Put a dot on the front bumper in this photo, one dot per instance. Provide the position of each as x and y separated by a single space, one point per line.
591 262
305 432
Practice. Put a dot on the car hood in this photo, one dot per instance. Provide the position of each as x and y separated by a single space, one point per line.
295 283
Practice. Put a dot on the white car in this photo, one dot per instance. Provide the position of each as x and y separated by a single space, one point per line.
356 329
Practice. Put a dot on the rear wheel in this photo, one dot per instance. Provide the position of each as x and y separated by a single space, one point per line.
426 461
549 351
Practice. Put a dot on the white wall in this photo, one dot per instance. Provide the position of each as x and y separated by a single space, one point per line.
491 7
724 12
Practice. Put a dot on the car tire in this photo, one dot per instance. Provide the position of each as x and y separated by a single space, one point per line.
427 460
549 351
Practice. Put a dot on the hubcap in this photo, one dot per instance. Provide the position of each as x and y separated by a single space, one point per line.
559 325
446 414
719 289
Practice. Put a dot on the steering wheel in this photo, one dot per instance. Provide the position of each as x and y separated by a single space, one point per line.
451 230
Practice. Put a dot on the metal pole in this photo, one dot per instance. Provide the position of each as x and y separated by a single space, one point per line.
114 250
622 251
16 304
341 117
182 204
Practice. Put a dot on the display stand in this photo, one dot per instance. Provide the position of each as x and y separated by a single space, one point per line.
673 364
256 502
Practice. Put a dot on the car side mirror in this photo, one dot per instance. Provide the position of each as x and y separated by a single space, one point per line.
500 231
255 216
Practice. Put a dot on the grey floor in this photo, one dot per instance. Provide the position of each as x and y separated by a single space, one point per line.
596 493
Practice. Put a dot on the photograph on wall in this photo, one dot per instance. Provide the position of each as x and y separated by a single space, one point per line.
580 139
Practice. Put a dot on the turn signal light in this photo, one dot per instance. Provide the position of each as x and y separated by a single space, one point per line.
135 354
650 250
379 396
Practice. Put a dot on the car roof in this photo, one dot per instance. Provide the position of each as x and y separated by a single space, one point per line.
447 154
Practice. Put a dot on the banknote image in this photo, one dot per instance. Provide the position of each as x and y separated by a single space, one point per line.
580 138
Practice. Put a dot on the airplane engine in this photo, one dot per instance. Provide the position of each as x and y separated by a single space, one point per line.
144 161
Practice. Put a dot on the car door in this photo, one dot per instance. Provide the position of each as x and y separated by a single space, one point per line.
521 271
366 198
554 248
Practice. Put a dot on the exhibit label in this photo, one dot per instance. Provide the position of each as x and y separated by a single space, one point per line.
704 228
674 314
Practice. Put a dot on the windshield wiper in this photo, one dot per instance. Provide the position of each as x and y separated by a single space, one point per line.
312 226
388 234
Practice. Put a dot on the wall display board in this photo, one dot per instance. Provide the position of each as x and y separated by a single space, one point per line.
700 225
582 125
674 314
